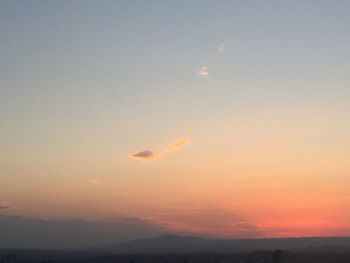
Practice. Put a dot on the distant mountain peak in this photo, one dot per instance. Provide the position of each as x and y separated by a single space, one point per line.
174 236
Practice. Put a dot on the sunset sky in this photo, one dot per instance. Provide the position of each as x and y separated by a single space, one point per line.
213 118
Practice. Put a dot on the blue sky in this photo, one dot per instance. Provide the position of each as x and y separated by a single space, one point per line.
84 84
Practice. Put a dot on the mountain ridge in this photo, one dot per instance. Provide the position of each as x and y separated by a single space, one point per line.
170 243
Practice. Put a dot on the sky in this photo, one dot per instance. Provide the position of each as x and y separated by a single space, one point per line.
214 118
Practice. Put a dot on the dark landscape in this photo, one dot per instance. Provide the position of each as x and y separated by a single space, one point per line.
174 249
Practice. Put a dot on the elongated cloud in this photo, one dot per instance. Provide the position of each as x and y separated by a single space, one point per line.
203 72
147 155
174 146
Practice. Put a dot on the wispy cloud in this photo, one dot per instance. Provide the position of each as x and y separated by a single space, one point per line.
221 48
93 181
176 145
203 72
147 155
4 204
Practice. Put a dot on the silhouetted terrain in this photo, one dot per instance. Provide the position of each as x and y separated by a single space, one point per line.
176 249
185 244
23 232
66 256
112 241
131 235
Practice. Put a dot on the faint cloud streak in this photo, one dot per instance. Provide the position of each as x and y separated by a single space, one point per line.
221 48
93 181
203 72
147 155
176 145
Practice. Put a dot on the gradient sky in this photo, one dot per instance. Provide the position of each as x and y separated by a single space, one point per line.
221 118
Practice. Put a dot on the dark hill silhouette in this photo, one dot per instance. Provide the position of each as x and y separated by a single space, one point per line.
164 243
186 244
23 232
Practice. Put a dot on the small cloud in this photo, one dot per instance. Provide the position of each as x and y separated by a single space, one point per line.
4 204
203 72
221 48
147 155
175 145
144 155
93 181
